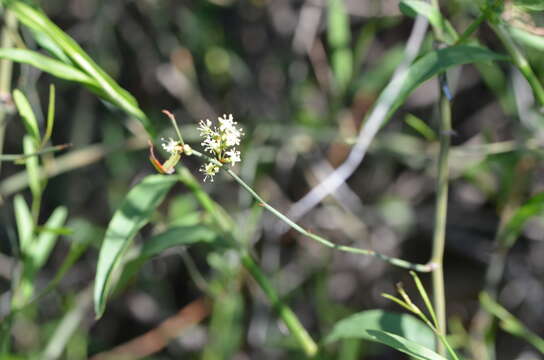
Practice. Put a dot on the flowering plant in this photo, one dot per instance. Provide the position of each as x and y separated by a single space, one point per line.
218 141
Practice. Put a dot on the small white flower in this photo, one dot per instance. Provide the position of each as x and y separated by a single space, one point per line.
219 140
212 145
229 133
205 127
226 122
170 145
233 156
209 170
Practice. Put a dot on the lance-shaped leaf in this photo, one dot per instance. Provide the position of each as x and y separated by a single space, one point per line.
134 213
39 22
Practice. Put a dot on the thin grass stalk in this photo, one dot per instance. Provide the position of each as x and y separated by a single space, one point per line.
439 235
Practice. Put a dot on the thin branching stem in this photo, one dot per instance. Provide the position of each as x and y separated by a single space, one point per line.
391 260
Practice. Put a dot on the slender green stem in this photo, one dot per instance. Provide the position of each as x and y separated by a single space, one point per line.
471 28
289 318
225 223
391 260
439 236
6 67
519 61
452 353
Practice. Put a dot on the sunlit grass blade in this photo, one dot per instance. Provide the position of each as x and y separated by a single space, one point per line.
403 345
27 114
405 325
39 252
339 37
421 127
48 65
425 297
133 214
510 323
511 230
39 22
413 7
25 224
32 166
50 115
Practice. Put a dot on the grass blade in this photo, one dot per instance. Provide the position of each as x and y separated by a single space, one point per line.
27 114
48 65
403 345
39 22
514 226
432 64
510 323
134 213
357 326
50 115
25 224
32 167
39 253
339 39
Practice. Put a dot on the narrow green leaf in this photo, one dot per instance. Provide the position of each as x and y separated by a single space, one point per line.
534 41
32 166
38 21
530 5
510 323
430 65
50 46
403 345
134 213
40 251
425 297
339 37
405 325
420 126
176 236
338 23
50 115
47 64
413 7
398 301
27 114
25 224
510 232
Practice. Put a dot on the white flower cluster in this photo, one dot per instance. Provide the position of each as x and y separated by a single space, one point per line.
220 142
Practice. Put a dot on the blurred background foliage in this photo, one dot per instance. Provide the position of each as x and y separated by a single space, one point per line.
299 80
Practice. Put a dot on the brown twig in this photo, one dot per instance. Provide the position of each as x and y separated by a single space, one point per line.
156 339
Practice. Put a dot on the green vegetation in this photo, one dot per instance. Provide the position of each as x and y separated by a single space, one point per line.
316 154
